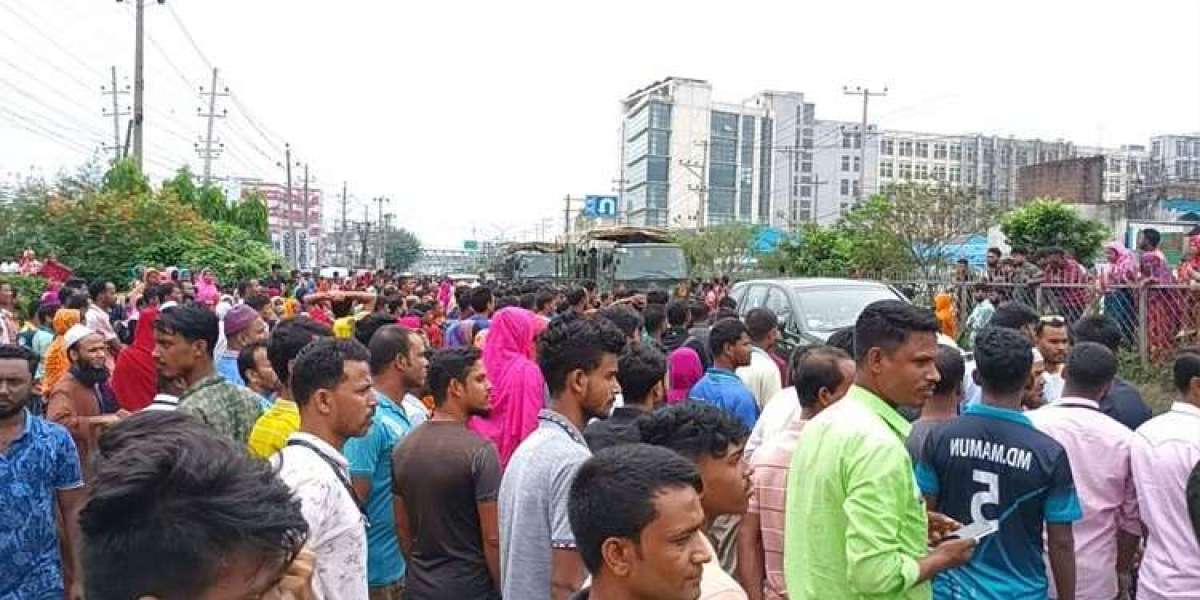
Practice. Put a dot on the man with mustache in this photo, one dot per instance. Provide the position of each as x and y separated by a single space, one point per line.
83 401
331 383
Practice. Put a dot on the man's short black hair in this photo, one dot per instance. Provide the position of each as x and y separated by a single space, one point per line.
726 332
191 323
727 302
527 301
1019 250
694 429
257 302
677 313
963 261
450 364
507 301
288 338
612 495
77 301
816 367
699 311
1152 235
951 368
1101 329
17 352
543 299
242 287
760 322
276 266
571 344
366 327
97 288
481 298
625 318
1013 315
1187 368
995 250
386 344
640 368
659 297
1090 367
886 324
321 365
654 316
166 289
45 313
1003 360
170 502
842 338
576 295
246 362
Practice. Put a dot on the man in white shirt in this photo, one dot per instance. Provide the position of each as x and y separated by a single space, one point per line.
762 376
1054 343
331 383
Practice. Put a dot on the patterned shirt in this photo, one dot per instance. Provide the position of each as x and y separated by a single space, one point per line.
319 476
227 408
272 429
33 469
771 464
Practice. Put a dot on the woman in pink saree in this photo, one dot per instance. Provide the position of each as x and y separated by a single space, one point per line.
518 388
685 370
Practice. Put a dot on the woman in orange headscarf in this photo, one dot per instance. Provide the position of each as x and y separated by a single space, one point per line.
57 361
943 305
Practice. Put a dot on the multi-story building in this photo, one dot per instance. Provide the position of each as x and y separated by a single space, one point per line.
1174 158
1125 169
286 222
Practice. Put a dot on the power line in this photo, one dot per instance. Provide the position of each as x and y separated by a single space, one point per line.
188 35
97 72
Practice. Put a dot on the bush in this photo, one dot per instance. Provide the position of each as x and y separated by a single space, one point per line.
1046 223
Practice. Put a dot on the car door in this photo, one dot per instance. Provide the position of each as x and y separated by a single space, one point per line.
755 298
778 302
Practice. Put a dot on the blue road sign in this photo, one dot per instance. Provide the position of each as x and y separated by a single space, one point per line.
600 206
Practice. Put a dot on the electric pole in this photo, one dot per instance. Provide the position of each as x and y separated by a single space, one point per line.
116 114
304 249
700 188
139 79
866 94
817 182
289 235
341 244
379 257
208 154
619 188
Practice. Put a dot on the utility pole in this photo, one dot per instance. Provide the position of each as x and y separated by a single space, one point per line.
379 256
303 245
622 210
866 94
341 243
700 170
139 79
208 154
116 115
289 236
817 182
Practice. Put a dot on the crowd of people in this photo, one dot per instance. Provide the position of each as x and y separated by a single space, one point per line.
382 437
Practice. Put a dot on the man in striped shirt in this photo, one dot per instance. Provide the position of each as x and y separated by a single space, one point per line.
822 375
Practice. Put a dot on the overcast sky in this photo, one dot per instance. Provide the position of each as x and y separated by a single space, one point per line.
476 118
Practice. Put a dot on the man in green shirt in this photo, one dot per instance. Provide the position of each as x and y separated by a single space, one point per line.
857 527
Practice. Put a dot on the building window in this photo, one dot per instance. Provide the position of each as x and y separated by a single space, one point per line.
971 154
955 152
845 163
922 149
724 150
856 188
1179 168
660 142
939 151
885 169
939 173
857 164
887 147
845 140
921 172
656 168
806 167
805 191
906 148
906 170
660 115
807 144
1114 164
807 131
1114 185
845 187
1022 158
857 141
1181 148
955 174
806 156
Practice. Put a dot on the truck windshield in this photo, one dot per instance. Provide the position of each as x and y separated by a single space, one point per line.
537 265
651 262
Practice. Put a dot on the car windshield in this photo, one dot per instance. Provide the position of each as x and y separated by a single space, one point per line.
830 309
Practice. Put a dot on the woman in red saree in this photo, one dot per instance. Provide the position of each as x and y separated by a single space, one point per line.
135 378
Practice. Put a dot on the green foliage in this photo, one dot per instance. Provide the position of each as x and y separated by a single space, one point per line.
872 240
105 234
403 248
28 289
1046 222
718 250
250 213
814 251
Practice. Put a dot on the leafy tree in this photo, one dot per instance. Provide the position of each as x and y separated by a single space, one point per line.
718 250
28 291
1047 222
813 252
402 248
914 226
125 178
250 213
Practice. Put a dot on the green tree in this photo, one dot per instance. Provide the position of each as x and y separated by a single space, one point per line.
402 249
1047 222
719 249
125 178
250 213
814 251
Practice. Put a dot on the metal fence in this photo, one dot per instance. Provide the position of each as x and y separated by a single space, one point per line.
1155 320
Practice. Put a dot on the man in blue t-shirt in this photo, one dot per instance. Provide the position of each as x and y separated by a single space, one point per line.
990 465
720 386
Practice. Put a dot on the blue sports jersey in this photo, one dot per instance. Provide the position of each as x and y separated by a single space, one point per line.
990 463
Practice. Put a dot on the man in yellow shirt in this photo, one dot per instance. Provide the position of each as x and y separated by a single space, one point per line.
272 429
